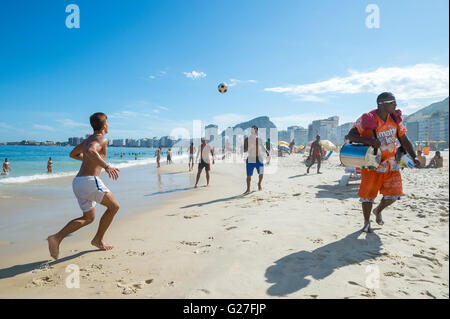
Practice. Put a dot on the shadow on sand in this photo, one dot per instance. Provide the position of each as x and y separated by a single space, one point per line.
295 176
170 191
218 200
289 273
21 269
338 192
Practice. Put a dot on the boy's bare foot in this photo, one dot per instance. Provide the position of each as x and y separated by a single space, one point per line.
53 246
259 187
247 191
101 245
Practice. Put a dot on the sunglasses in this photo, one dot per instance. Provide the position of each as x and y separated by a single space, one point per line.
387 102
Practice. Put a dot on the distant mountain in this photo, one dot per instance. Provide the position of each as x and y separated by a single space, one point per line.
428 111
261 122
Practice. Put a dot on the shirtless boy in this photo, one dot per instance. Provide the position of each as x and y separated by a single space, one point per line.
88 187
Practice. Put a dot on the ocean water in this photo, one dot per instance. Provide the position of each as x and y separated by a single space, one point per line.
29 163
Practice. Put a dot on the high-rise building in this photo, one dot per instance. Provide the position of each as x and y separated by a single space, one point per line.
325 128
119 142
211 132
342 131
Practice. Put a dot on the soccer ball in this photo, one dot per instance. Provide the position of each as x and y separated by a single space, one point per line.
223 88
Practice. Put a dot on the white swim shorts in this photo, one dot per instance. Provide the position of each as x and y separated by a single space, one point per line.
88 190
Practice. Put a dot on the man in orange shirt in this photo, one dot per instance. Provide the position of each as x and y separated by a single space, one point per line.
380 129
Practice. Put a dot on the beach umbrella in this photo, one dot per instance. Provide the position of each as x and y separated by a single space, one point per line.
283 143
327 144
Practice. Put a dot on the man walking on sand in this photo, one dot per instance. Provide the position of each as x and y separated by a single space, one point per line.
315 154
88 187
203 152
254 147
380 129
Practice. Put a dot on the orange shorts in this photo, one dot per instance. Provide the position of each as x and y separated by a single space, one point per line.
389 184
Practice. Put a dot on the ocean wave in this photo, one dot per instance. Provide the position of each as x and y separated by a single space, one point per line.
127 164
30 178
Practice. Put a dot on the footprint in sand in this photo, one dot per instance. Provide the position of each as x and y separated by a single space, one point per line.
393 274
41 282
132 288
230 228
136 253
191 216
267 232
190 243
206 291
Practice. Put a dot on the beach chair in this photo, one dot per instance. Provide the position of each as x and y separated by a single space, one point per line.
352 174
328 156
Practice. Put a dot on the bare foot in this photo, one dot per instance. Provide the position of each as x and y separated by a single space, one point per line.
195 186
101 245
259 187
53 246
247 191
379 218
319 172
367 228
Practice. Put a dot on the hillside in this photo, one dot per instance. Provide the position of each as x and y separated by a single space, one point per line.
260 122
428 110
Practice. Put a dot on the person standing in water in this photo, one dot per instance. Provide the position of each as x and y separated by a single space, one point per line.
158 156
6 167
88 187
50 165
191 156
169 156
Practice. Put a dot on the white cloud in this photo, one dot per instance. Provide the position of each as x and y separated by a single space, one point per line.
195 75
163 108
5 126
43 127
413 84
71 123
152 77
234 82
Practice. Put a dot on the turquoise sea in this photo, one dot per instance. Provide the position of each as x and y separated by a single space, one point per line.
30 162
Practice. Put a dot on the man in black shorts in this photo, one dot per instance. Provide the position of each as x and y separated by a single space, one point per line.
203 152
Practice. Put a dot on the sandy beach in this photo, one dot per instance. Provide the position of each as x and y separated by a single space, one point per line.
297 238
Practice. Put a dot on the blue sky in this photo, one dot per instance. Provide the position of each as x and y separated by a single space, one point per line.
153 66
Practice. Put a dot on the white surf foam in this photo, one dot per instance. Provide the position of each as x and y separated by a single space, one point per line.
127 164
